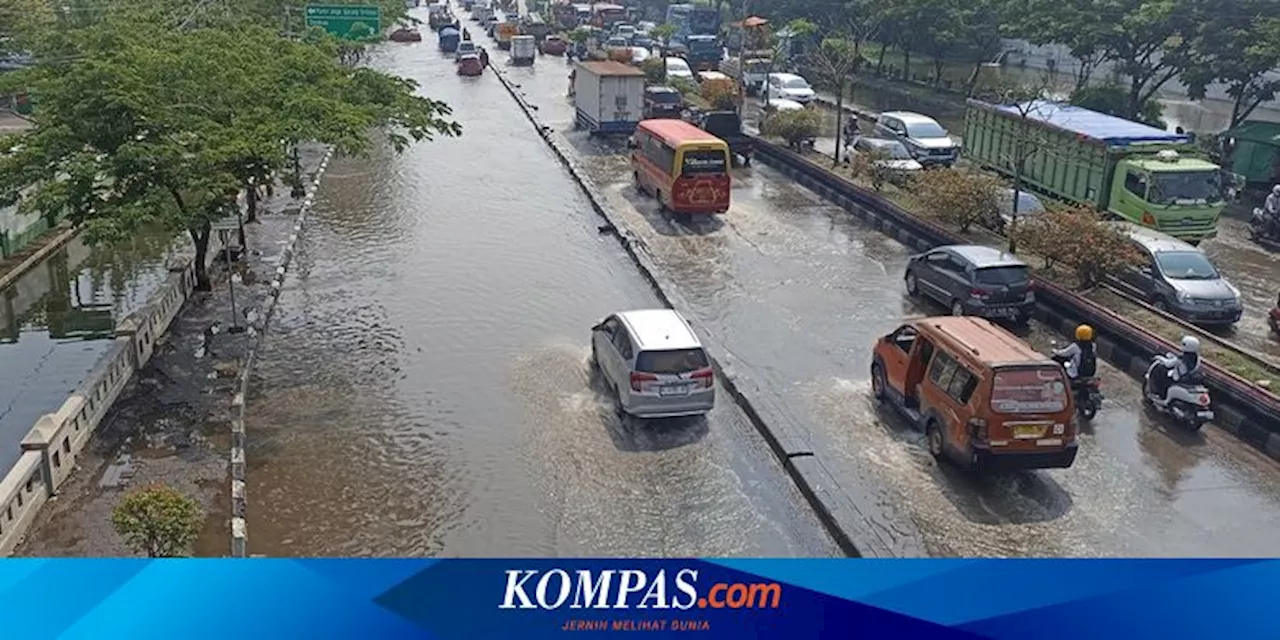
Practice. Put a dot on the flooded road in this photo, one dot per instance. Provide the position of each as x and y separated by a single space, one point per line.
1250 267
424 387
799 290
59 317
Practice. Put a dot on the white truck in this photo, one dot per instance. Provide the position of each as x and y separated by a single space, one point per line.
608 97
523 50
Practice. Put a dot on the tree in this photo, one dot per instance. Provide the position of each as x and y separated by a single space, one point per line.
779 45
957 196
983 30
1077 237
145 124
663 33
1026 101
721 94
1078 24
792 126
838 57
1237 44
158 521
873 166
655 70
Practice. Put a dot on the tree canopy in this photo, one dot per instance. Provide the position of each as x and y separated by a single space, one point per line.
139 123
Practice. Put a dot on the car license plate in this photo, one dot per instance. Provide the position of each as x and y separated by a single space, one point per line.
674 390
1028 431
1207 415
1001 312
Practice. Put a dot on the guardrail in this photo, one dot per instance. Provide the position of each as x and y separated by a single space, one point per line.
1245 409
51 447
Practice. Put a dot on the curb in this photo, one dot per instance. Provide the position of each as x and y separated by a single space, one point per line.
34 259
239 499
857 533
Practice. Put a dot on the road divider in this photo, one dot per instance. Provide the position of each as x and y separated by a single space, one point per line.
1244 408
855 519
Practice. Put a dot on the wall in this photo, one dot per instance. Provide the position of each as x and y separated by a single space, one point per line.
52 446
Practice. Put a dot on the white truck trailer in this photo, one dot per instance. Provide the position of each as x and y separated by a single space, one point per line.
523 50
608 97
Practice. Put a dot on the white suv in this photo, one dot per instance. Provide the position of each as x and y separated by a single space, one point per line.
927 140
788 86
654 364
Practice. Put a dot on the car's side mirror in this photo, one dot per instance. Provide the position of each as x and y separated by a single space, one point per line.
631 144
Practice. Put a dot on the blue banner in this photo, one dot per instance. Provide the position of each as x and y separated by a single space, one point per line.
500 598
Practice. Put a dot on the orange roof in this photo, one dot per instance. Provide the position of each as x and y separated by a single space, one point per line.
611 68
753 22
677 131
984 340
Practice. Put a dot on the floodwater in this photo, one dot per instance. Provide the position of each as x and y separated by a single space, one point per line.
59 317
799 290
424 389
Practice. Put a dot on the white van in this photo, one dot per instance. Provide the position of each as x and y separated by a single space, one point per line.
654 364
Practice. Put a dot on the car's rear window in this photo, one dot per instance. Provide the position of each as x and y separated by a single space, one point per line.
1002 275
665 97
1029 390
672 361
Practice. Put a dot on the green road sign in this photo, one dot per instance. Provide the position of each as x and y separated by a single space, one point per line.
351 21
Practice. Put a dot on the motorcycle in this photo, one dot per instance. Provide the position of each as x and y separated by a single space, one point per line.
1260 230
1086 393
1188 400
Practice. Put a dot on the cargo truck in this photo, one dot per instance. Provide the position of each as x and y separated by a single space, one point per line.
523 51
1130 170
608 97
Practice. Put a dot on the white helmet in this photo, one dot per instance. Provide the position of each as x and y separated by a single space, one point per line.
1190 344
1276 190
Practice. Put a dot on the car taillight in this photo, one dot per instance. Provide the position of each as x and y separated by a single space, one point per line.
704 377
638 379
978 294
1204 399
978 428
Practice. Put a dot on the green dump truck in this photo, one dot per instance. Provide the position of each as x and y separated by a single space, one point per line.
1131 170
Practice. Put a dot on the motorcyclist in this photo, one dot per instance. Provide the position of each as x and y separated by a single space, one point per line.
1178 367
1081 356
1271 210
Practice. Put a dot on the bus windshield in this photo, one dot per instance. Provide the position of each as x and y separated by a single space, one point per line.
703 162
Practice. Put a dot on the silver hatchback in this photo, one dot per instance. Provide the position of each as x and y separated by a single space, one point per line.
654 364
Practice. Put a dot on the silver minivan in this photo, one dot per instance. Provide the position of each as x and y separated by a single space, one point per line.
654 364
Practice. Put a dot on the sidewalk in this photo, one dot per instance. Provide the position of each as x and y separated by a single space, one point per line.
171 424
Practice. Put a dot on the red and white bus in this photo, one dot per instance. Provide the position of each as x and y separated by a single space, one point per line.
684 167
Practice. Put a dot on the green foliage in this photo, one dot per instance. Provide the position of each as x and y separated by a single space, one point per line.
958 196
579 35
1237 45
655 70
140 124
794 126
685 86
158 521
663 33
721 95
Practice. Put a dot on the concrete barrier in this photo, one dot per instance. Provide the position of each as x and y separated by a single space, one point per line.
1245 410
238 489
52 446
860 524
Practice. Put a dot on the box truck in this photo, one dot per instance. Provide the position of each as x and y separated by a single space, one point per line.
523 50
608 96
1131 170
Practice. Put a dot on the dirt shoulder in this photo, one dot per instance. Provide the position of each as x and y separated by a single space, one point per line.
171 424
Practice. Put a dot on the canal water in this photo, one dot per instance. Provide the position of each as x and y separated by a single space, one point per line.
58 318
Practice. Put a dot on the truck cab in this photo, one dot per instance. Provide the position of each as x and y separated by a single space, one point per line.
1166 191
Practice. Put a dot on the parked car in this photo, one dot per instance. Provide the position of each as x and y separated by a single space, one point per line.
642 40
888 154
678 68
927 140
774 105
973 280
1029 207
653 363
1176 277
789 86
727 125
662 102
